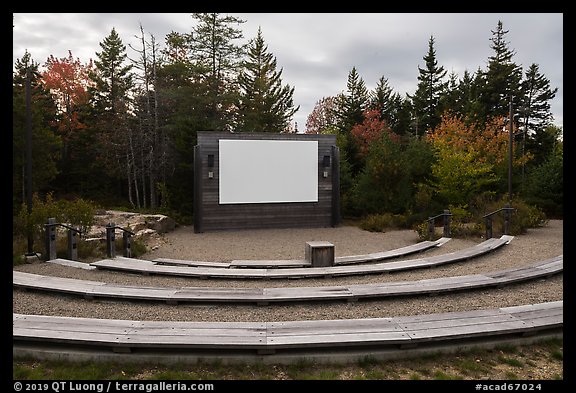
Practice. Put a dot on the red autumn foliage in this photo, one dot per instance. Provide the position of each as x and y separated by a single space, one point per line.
67 80
371 130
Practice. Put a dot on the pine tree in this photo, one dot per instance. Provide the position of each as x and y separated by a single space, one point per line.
534 112
501 80
46 143
450 99
349 112
265 104
426 99
112 78
388 103
217 59
112 106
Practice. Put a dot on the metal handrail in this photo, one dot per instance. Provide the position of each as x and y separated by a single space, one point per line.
497 211
111 240
488 220
446 214
112 225
50 224
51 239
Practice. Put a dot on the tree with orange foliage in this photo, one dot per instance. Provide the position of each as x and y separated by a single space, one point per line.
67 79
470 161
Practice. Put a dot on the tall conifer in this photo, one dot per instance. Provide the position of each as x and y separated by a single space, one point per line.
265 104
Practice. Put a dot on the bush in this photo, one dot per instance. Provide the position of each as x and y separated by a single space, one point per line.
523 216
471 222
78 213
381 222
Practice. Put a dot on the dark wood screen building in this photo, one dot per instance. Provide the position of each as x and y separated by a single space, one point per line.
213 211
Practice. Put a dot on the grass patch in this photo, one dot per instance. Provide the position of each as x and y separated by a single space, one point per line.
476 364
442 376
511 361
470 365
557 355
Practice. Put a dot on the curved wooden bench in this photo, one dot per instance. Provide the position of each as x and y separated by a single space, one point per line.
264 296
390 254
149 267
291 263
266 338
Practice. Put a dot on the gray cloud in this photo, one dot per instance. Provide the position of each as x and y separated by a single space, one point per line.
317 51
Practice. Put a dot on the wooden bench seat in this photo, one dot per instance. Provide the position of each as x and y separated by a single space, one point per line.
291 263
149 267
269 264
390 254
263 296
186 262
269 337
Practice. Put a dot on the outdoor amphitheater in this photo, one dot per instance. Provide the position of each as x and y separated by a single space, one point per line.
268 274
252 296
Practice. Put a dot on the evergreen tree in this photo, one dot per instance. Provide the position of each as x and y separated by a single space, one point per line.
430 88
182 98
450 100
46 143
406 125
501 80
111 113
464 96
545 182
534 112
112 77
387 103
265 104
350 111
217 59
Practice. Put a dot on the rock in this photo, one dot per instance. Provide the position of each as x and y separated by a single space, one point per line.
142 225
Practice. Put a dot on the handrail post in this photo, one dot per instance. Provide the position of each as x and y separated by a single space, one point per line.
110 240
488 227
430 228
127 242
51 239
447 223
73 244
506 219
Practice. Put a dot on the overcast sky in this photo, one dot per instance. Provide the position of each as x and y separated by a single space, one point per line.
316 51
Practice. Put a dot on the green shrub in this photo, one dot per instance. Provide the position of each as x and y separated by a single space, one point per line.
523 216
78 213
381 222
470 222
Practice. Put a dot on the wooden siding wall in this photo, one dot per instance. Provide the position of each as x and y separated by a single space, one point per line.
210 215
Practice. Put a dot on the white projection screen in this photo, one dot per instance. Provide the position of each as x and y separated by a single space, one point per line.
268 171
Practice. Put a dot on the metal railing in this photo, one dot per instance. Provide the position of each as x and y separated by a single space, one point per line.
51 240
73 240
432 224
507 215
111 241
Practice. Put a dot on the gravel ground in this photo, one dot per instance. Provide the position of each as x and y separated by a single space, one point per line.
537 244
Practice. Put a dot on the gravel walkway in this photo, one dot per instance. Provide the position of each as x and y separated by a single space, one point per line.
183 243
